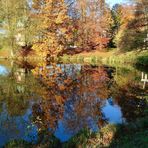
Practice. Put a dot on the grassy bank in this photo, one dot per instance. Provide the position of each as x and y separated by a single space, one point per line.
111 57
114 57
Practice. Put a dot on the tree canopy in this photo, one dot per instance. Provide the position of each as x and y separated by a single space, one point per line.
54 26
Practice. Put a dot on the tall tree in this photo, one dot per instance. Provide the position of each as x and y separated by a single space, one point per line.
135 30
93 23
16 21
116 14
53 29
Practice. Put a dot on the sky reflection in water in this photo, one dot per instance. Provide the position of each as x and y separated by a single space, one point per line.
22 126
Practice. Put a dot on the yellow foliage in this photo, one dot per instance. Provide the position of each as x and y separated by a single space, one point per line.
53 28
59 99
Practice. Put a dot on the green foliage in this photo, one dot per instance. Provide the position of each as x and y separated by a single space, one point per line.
142 60
117 17
132 135
94 59
132 34
80 58
80 139
129 39
18 144
139 139
19 25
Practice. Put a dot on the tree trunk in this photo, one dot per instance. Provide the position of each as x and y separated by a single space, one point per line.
12 53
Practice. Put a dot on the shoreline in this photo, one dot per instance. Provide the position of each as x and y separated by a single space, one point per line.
102 57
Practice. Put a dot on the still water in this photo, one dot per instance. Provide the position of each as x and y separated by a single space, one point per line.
63 99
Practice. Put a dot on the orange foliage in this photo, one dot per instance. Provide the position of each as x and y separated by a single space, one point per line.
53 28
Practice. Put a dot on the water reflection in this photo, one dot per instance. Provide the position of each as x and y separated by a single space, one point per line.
144 79
16 127
62 99
17 95
112 112
3 70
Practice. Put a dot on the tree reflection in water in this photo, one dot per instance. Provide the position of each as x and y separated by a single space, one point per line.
62 99
74 95
132 100
18 91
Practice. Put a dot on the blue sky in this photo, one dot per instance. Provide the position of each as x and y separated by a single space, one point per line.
112 2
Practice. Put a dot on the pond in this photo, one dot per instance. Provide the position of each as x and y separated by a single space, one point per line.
62 99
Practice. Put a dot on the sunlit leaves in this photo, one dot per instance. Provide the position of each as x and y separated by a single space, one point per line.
53 28
59 99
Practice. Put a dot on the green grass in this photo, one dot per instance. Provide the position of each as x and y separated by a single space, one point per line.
132 135
132 57
142 60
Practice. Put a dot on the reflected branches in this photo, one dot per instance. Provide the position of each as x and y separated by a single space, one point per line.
73 94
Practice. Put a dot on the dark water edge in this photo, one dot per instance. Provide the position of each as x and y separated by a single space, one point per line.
121 99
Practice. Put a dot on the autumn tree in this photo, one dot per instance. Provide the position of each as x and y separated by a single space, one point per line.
92 20
116 14
53 29
140 25
9 16
17 23
133 34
